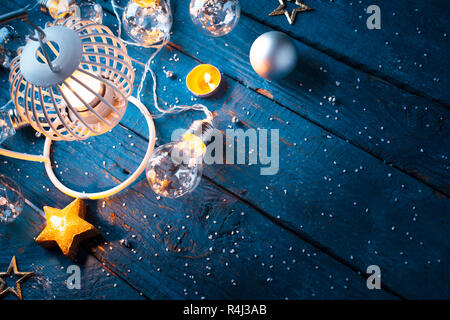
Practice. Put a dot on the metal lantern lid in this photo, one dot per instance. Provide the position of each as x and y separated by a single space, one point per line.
78 86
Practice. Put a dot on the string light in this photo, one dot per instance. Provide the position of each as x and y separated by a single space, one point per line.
176 167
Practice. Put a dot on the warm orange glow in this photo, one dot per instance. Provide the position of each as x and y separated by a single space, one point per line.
203 80
195 143
85 94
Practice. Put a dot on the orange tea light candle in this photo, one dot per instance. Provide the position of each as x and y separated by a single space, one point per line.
204 80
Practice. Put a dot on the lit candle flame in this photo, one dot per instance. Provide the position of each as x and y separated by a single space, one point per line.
208 81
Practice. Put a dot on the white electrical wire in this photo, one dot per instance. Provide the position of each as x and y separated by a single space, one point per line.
45 158
162 112
23 156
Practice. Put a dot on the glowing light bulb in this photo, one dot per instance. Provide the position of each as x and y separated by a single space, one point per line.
176 167
74 88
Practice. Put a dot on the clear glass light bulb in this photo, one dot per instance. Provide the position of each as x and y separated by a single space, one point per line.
147 22
11 200
87 10
58 8
81 9
176 167
215 17
6 126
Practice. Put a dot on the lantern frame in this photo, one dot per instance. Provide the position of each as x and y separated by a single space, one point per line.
81 49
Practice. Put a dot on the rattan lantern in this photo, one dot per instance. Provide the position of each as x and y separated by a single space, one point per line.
74 82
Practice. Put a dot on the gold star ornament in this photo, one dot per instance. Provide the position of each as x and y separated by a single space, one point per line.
23 276
66 228
290 16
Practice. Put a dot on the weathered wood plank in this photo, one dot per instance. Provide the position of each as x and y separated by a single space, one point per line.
332 188
199 246
410 50
405 130
251 98
50 267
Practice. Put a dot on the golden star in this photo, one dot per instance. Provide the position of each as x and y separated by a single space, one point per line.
66 228
290 16
23 277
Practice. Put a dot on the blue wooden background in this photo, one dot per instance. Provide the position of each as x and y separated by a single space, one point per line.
364 181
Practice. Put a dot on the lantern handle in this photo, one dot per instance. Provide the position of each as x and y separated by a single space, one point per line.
22 14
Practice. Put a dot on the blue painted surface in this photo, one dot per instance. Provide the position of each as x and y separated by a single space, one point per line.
364 181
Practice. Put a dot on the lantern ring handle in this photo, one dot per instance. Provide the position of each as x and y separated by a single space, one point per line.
107 193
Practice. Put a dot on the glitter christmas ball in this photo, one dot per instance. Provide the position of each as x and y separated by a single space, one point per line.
273 55
11 200
215 17
147 22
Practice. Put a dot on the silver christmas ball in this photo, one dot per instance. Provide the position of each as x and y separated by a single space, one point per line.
273 55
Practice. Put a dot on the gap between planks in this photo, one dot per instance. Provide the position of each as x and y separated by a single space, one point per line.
354 64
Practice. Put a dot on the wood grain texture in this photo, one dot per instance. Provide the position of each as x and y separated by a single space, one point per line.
400 128
50 267
410 50
325 200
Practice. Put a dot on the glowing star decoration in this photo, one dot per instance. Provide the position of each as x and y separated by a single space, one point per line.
23 276
290 16
66 228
